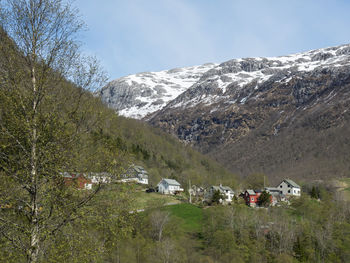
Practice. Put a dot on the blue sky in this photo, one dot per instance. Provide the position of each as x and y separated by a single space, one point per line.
130 36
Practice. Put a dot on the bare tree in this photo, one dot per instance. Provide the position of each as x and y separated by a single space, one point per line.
39 55
158 220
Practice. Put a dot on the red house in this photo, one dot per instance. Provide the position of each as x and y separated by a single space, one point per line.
77 180
251 197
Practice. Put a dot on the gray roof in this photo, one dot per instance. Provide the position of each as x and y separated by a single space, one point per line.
272 189
292 183
171 182
251 192
139 169
222 188
135 171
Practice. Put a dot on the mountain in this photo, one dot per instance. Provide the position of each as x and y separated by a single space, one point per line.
137 95
283 116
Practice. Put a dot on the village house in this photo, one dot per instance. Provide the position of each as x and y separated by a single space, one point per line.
100 178
289 188
251 197
135 174
286 189
169 186
197 193
77 180
276 196
226 191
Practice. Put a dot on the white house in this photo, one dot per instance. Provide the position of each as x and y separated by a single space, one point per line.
97 178
169 186
224 190
289 188
135 174
142 178
275 195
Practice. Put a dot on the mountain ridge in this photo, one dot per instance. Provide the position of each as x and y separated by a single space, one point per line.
262 101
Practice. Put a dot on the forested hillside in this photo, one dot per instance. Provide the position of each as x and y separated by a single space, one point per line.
136 142
50 124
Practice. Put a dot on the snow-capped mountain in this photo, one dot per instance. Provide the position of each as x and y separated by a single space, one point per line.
239 80
142 94
278 115
137 95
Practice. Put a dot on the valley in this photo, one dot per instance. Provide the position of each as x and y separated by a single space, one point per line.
245 160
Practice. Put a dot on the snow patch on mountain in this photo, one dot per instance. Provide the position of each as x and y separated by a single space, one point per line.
137 95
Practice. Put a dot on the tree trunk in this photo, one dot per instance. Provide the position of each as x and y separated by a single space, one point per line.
34 233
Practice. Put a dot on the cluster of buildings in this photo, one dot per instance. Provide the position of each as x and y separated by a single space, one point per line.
137 174
282 192
85 180
286 189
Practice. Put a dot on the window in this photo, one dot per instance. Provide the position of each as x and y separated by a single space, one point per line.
280 186
288 191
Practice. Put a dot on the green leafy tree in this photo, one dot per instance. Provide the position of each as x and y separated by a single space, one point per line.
315 192
42 121
217 197
264 199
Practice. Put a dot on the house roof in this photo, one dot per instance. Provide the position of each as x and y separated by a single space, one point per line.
73 175
171 182
251 192
272 189
292 183
135 171
215 188
139 169
222 188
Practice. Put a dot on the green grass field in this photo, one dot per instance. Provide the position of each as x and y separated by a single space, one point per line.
143 200
190 216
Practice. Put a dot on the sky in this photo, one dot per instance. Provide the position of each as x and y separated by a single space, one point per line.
131 36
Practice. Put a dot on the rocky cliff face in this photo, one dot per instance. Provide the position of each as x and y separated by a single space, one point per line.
284 116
